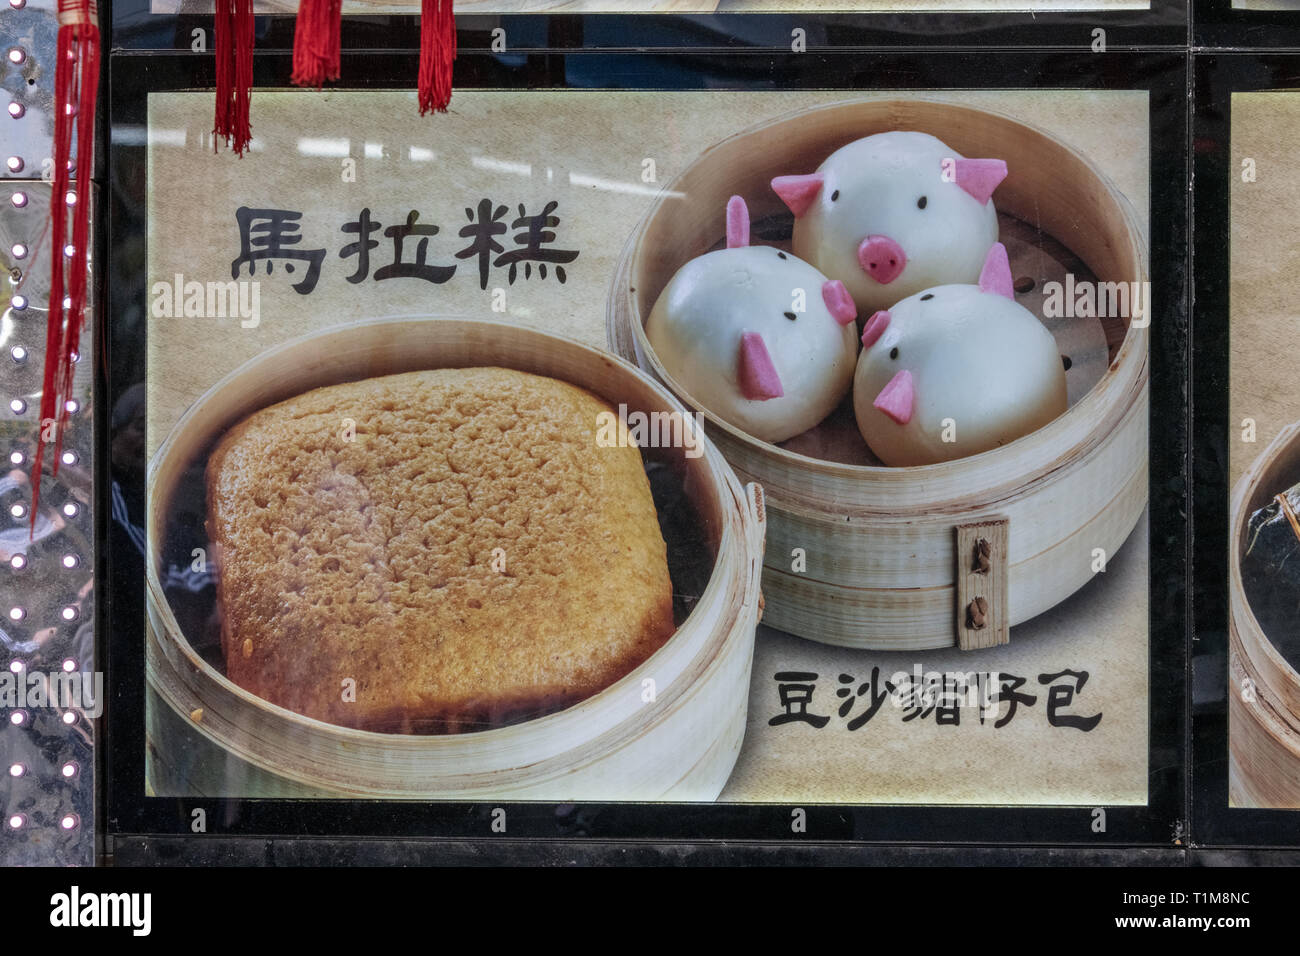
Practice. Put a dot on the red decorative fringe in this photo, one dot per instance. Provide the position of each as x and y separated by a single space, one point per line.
316 42
233 47
76 86
437 53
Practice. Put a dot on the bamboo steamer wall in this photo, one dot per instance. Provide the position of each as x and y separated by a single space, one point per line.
208 735
1264 715
880 542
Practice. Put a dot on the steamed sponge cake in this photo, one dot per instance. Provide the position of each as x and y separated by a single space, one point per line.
453 541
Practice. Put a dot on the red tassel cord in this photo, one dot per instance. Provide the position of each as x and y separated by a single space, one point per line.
76 86
223 27
233 48
437 53
316 42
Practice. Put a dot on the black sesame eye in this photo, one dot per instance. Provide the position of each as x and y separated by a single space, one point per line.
1065 360
921 203
927 297
835 195
791 316
782 255
893 353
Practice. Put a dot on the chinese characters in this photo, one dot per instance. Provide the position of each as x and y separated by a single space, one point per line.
523 244
993 697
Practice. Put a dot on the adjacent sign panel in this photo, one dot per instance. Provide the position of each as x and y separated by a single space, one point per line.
1264 722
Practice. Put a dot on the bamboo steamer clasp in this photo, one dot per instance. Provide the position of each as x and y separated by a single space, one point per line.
982 617
757 509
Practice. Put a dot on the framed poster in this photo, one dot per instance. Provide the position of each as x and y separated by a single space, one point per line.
1246 766
1001 667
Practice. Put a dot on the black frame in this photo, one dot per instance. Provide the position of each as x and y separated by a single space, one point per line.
120 576
1217 77
1216 25
1164 24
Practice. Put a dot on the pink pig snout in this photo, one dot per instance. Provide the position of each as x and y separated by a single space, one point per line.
881 258
898 398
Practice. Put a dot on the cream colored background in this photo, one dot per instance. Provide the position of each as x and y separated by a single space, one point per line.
1265 262
586 149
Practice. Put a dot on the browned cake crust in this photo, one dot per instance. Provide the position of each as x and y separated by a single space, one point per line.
375 559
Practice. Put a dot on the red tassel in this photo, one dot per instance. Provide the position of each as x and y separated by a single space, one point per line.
233 47
437 53
316 42
76 87
223 26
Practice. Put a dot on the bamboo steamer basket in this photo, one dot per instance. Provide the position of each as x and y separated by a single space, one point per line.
1264 689
208 735
881 543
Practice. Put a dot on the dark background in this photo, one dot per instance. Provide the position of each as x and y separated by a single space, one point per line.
711 829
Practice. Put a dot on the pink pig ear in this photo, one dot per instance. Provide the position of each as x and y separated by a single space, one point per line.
737 223
838 300
980 177
875 328
798 192
995 277
758 378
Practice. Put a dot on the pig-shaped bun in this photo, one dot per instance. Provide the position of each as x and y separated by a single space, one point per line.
757 336
893 214
956 370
